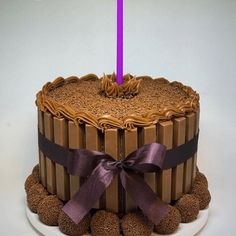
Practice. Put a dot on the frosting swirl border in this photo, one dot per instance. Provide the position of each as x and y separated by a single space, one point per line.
108 121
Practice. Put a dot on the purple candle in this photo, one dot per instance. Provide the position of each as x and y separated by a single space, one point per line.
119 59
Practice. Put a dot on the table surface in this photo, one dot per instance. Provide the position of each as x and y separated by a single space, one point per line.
189 41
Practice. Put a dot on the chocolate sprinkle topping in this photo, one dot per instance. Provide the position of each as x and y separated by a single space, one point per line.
85 96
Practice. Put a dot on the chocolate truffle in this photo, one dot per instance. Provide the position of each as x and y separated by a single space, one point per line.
67 226
35 195
105 223
188 206
136 224
201 178
49 209
29 182
35 172
200 191
170 222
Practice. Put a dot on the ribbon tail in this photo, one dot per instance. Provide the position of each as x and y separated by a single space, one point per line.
144 197
89 193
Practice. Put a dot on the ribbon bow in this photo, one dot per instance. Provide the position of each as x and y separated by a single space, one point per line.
101 168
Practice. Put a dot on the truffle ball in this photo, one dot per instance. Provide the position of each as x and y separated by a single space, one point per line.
29 182
188 206
67 226
105 223
49 209
170 222
35 195
201 192
136 224
35 172
201 178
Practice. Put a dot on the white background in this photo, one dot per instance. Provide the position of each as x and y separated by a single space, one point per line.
190 41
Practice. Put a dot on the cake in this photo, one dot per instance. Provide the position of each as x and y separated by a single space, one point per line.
98 116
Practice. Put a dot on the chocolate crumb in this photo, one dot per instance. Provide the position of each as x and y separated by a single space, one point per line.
49 209
30 181
68 227
35 195
188 206
85 96
170 223
201 178
200 191
105 223
136 224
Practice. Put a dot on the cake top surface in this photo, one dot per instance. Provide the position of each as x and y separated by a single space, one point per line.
81 100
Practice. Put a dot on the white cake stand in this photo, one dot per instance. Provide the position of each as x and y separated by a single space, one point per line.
188 229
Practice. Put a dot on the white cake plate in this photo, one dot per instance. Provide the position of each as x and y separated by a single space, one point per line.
189 229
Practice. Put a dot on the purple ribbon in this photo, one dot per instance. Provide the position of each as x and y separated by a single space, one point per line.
101 168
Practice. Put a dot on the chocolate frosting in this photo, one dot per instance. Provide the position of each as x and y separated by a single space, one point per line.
128 89
80 100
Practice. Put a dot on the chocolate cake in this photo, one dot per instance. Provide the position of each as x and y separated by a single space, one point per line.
96 114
